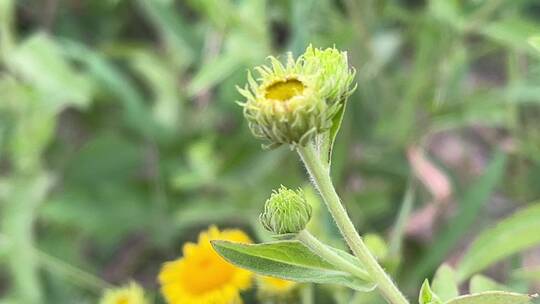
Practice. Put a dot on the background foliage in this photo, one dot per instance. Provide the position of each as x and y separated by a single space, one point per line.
120 138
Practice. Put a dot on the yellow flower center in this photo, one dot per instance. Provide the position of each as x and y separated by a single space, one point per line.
284 90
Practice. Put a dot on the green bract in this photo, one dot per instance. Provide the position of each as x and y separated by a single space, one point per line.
286 211
291 103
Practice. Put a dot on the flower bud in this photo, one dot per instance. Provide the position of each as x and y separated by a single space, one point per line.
292 103
286 211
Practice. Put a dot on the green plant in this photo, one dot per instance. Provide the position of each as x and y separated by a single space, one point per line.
303 106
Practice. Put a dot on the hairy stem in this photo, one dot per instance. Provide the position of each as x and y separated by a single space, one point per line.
320 175
330 256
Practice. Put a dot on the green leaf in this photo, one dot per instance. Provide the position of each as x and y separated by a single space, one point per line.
470 206
480 283
512 235
492 297
161 80
376 245
113 83
447 11
398 232
214 72
427 296
445 283
302 13
31 120
7 12
41 62
289 260
336 125
511 32
219 13
527 273
535 42
172 28
24 194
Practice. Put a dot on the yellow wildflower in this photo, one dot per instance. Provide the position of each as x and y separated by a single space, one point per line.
130 294
201 276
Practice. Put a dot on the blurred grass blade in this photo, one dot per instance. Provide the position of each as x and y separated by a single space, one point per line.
6 28
528 273
214 72
535 42
18 213
516 233
71 273
448 11
40 61
512 32
171 28
396 237
162 82
470 205
115 83
480 283
444 283
31 127
301 18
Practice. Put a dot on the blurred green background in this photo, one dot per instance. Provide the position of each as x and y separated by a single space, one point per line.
120 138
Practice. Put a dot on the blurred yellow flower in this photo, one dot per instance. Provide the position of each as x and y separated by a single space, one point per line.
130 294
271 285
201 276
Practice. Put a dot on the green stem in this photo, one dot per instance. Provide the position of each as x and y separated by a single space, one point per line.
320 175
306 294
24 195
6 29
330 256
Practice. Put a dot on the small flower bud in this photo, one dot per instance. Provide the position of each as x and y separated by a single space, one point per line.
292 103
286 211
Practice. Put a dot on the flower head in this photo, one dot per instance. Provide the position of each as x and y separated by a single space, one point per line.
201 276
286 211
291 103
130 294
